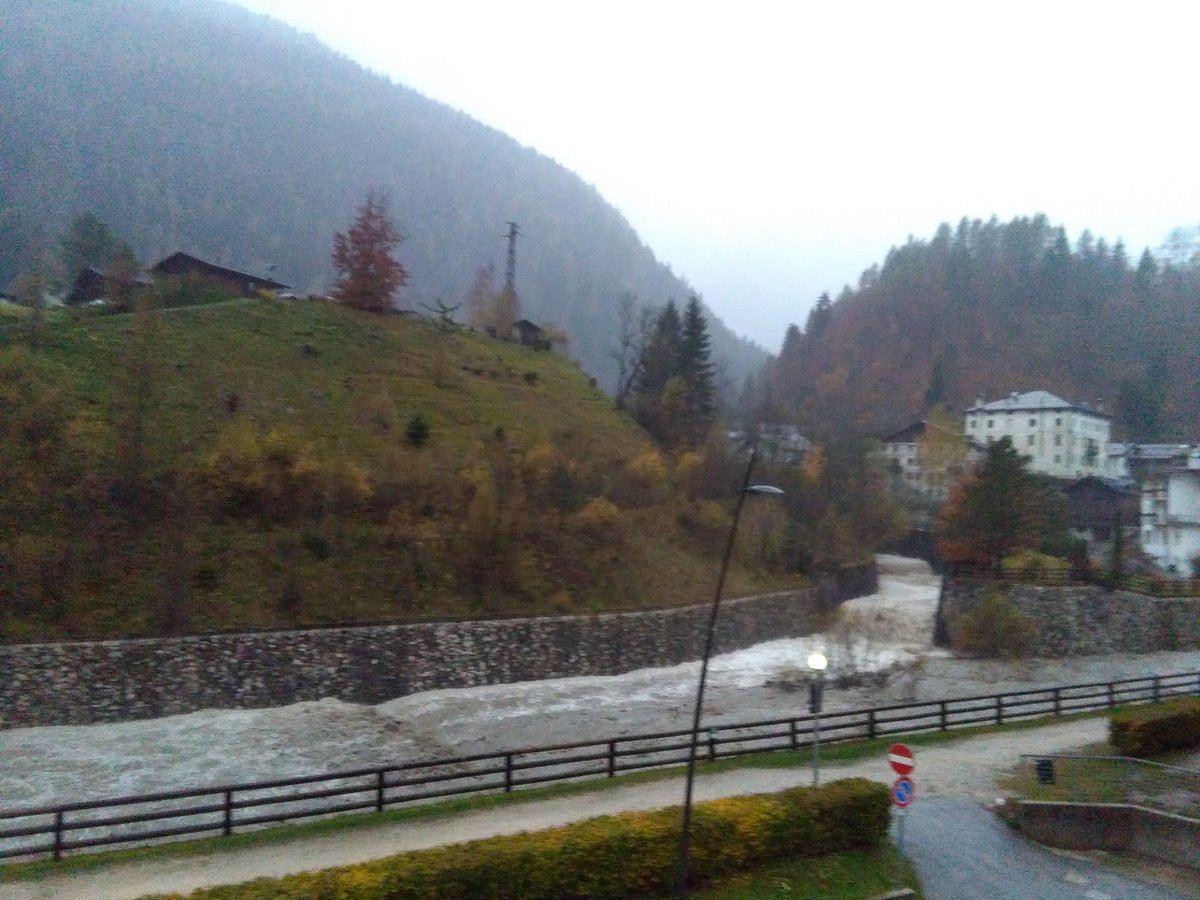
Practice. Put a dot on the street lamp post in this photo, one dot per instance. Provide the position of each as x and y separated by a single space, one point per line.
816 688
685 837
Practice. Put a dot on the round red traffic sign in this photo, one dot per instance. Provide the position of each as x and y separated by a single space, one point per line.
903 791
900 758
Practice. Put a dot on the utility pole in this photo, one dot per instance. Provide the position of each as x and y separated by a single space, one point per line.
510 271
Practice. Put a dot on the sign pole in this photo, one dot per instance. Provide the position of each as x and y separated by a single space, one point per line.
900 758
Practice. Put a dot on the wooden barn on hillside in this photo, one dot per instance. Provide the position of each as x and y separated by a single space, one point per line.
180 265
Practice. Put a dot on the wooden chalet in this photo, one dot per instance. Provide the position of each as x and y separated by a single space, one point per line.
1094 504
530 335
94 284
181 265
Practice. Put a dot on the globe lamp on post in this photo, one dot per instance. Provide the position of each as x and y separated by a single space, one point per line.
816 688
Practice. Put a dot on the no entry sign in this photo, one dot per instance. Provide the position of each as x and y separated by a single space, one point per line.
903 790
900 758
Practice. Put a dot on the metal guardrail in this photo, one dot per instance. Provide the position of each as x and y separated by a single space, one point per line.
1115 779
58 829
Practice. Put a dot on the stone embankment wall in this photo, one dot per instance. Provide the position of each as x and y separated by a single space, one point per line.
106 681
1083 620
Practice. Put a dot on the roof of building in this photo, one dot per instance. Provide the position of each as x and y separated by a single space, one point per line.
1124 487
209 268
906 435
1032 401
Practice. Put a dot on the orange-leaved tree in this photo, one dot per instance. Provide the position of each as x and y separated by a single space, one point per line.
368 274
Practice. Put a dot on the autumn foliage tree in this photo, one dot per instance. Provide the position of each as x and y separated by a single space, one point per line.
368 274
997 509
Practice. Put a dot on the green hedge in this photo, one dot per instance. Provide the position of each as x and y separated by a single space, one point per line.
1147 731
628 855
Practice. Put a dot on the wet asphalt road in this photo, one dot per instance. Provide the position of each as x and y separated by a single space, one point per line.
965 852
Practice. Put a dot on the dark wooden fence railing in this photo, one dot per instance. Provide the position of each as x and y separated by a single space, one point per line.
154 818
1153 585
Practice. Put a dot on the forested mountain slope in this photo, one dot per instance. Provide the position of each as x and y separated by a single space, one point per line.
202 127
986 308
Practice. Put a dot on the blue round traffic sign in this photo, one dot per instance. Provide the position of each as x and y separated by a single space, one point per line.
903 790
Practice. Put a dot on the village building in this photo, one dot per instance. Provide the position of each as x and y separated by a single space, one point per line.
92 284
927 479
1096 505
1170 514
1060 438
777 442
181 265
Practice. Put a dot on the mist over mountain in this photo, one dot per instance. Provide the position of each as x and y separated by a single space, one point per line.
987 308
203 127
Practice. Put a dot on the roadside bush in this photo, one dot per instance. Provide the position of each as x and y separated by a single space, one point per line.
994 628
1149 731
629 855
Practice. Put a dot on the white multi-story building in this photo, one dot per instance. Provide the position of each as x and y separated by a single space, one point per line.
1171 514
1060 438
926 478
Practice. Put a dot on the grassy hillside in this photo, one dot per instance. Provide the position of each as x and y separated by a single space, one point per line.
260 462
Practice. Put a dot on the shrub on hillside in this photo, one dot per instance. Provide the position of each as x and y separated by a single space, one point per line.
628 855
1032 565
274 475
598 518
1149 731
995 627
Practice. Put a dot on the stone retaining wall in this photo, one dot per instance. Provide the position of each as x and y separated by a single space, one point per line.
1083 620
106 681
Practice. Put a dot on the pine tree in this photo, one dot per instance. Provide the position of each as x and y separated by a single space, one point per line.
88 241
994 511
695 366
661 359
369 274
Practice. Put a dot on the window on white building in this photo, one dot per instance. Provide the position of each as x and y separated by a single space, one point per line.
1031 440
991 422
1058 440
1057 457
1033 423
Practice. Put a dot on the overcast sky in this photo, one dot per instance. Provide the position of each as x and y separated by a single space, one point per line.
771 151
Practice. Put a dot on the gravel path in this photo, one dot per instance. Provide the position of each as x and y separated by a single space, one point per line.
964 768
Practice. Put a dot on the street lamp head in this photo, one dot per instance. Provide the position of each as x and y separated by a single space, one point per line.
817 661
763 489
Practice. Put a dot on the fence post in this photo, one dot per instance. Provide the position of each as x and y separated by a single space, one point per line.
945 721
508 773
1057 703
795 737
379 782
1154 693
612 759
870 723
712 744
999 709
1112 697
58 835
228 828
